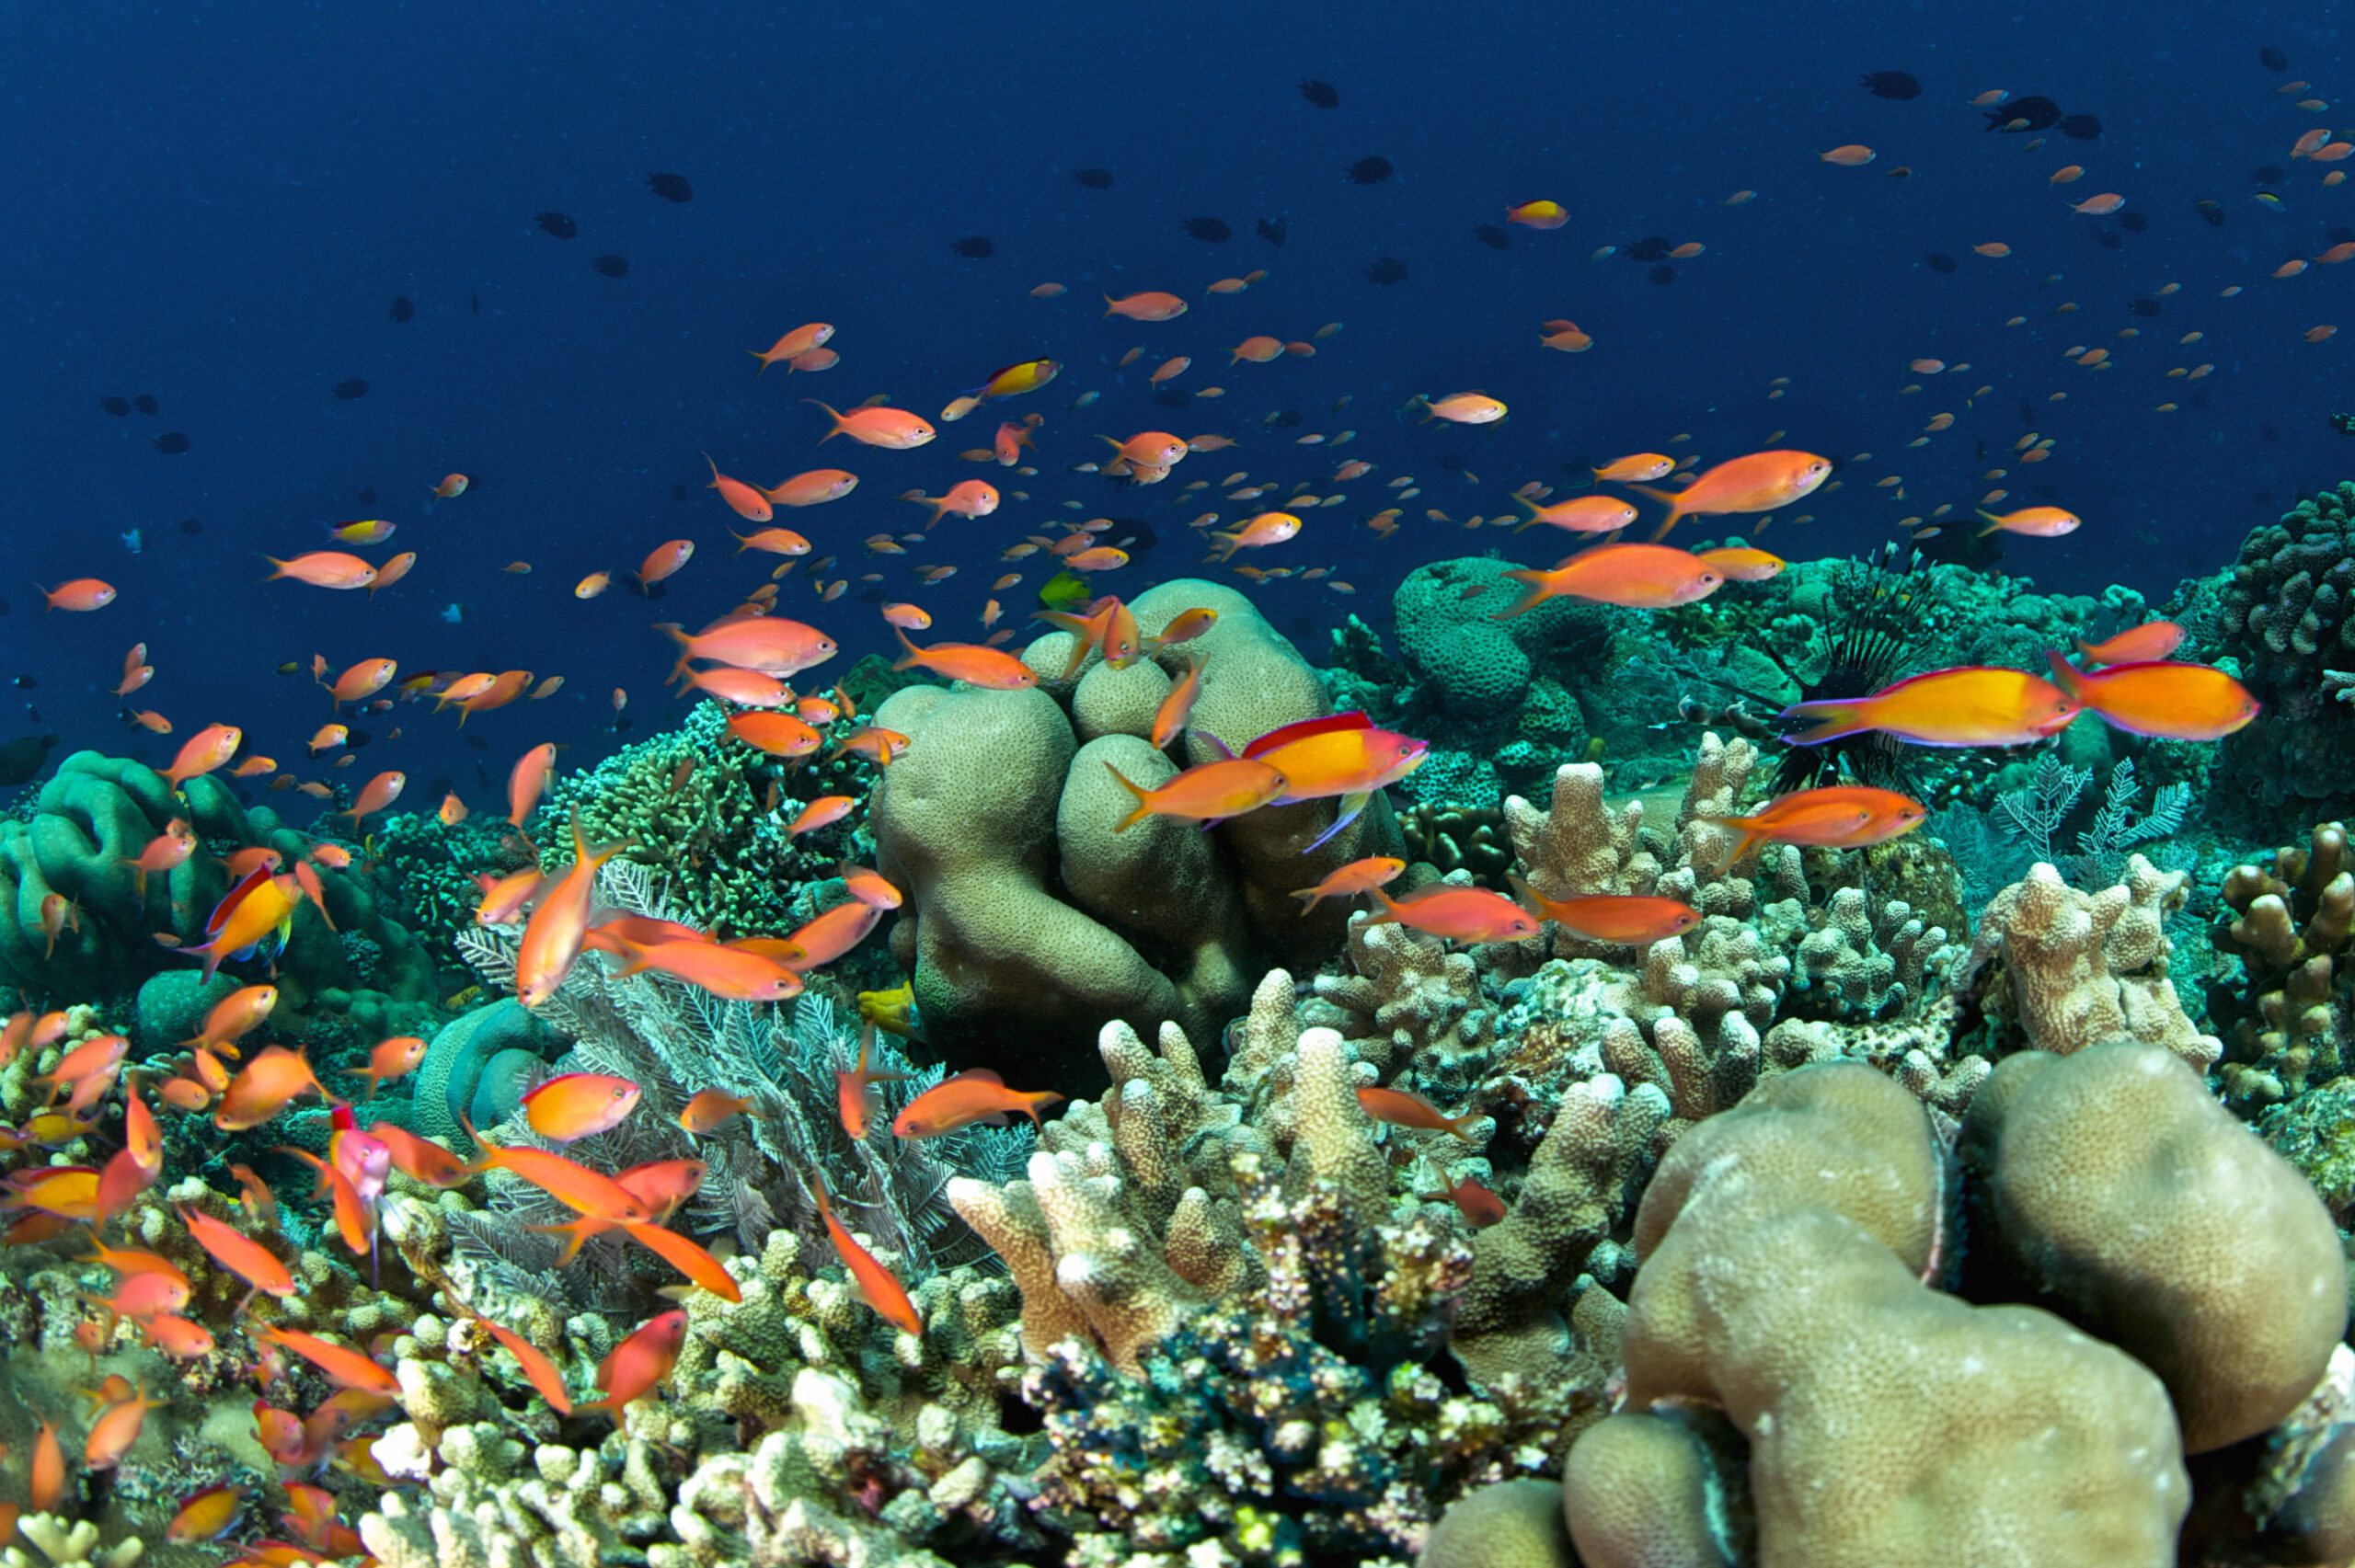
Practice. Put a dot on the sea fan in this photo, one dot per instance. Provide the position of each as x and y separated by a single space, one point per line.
676 1040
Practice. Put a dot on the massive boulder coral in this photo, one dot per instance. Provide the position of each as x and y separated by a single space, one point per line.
90 821
1029 917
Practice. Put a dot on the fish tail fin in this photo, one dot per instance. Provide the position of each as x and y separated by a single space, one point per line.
1144 800
915 653
1226 547
1533 594
833 413
1107 309
1389 914
763 357
2067 676
278 571
1675 504
1833 718
1536 512
678 635
1309 897
1747 837
1033 1103
1994 523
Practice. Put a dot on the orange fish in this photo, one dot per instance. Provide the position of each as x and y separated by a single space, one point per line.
1267 528
802 340
82 594
827 936
588 1193
1209 794
324 569
821 812
235 1017
345 1367
970 662
854 1094
526 780
1479 1206
552 937
2100 206
778 733
374 795
773 541
1350 881
743 500
116 1429
1843 817
1399 1108
48 1483
504 898
879 424
1639 577
1627 919
419 1158
264 1087
663 561
1150 304
2039 522
1177 709
967 497
452 487
767 644
1542 213
729 972
1967 705
639 1364
2170 701
1457 914
1584 514
1738 563
1855 154
712 1108
815 488
578 1104
882 1289
537 1368
362 681
206 750
2138 644
976 1094
1761 481
206 1516
239 1253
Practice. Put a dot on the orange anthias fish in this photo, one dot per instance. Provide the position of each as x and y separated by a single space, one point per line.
1479 1206
1759 482
419 1158
536 1367
344 1366
206 750
1627 919
976 666
1177 709
375 794
1581 514
2037 522
1350 881
235 1017
264 1087
1149 304
639 1364
1967 705
854 1094
793 345
1636 468
735 973
2170 701
976 1094
2138 644
578 1104
1210 793
1637 577
206 1516
395 1058
882 1290
1109 628
324 569
167 853
553 936
879 426
588 1193
1258 534
239 1253
744 500
255 907
767 644
48 1482
1457 914
1401 1109
711 1109
116 1429
1739 563
1845 817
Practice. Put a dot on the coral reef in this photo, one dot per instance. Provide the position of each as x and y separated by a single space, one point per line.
1027 916
2284 621
2290 919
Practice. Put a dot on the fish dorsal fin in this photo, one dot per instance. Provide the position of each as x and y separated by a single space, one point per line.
1332 724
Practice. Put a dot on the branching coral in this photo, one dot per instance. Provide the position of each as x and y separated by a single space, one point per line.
2289 920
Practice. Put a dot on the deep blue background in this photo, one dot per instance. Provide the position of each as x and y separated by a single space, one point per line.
215 204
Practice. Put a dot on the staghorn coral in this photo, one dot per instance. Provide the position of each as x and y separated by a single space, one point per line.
2054 969
675 1040
2289 920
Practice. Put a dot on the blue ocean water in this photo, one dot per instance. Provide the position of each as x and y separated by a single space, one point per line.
216 206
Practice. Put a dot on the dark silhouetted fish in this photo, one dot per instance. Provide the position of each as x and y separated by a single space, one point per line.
401 309
611 266
1273 230
679 492
2267 174
22 758
1651 247
171 443
349 389
1892 85
556 223
2272 59
1494 237
2134 220
2212 212
191 525
2080 127
1937 261
670 186
1214 230
1663 273
367 495
1321 94
1094 179
2024 114
473 302
1370 171
1385 270
145 403
974 247
2110 240
118 406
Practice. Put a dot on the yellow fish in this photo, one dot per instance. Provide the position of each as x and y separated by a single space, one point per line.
893 1011
1013 380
